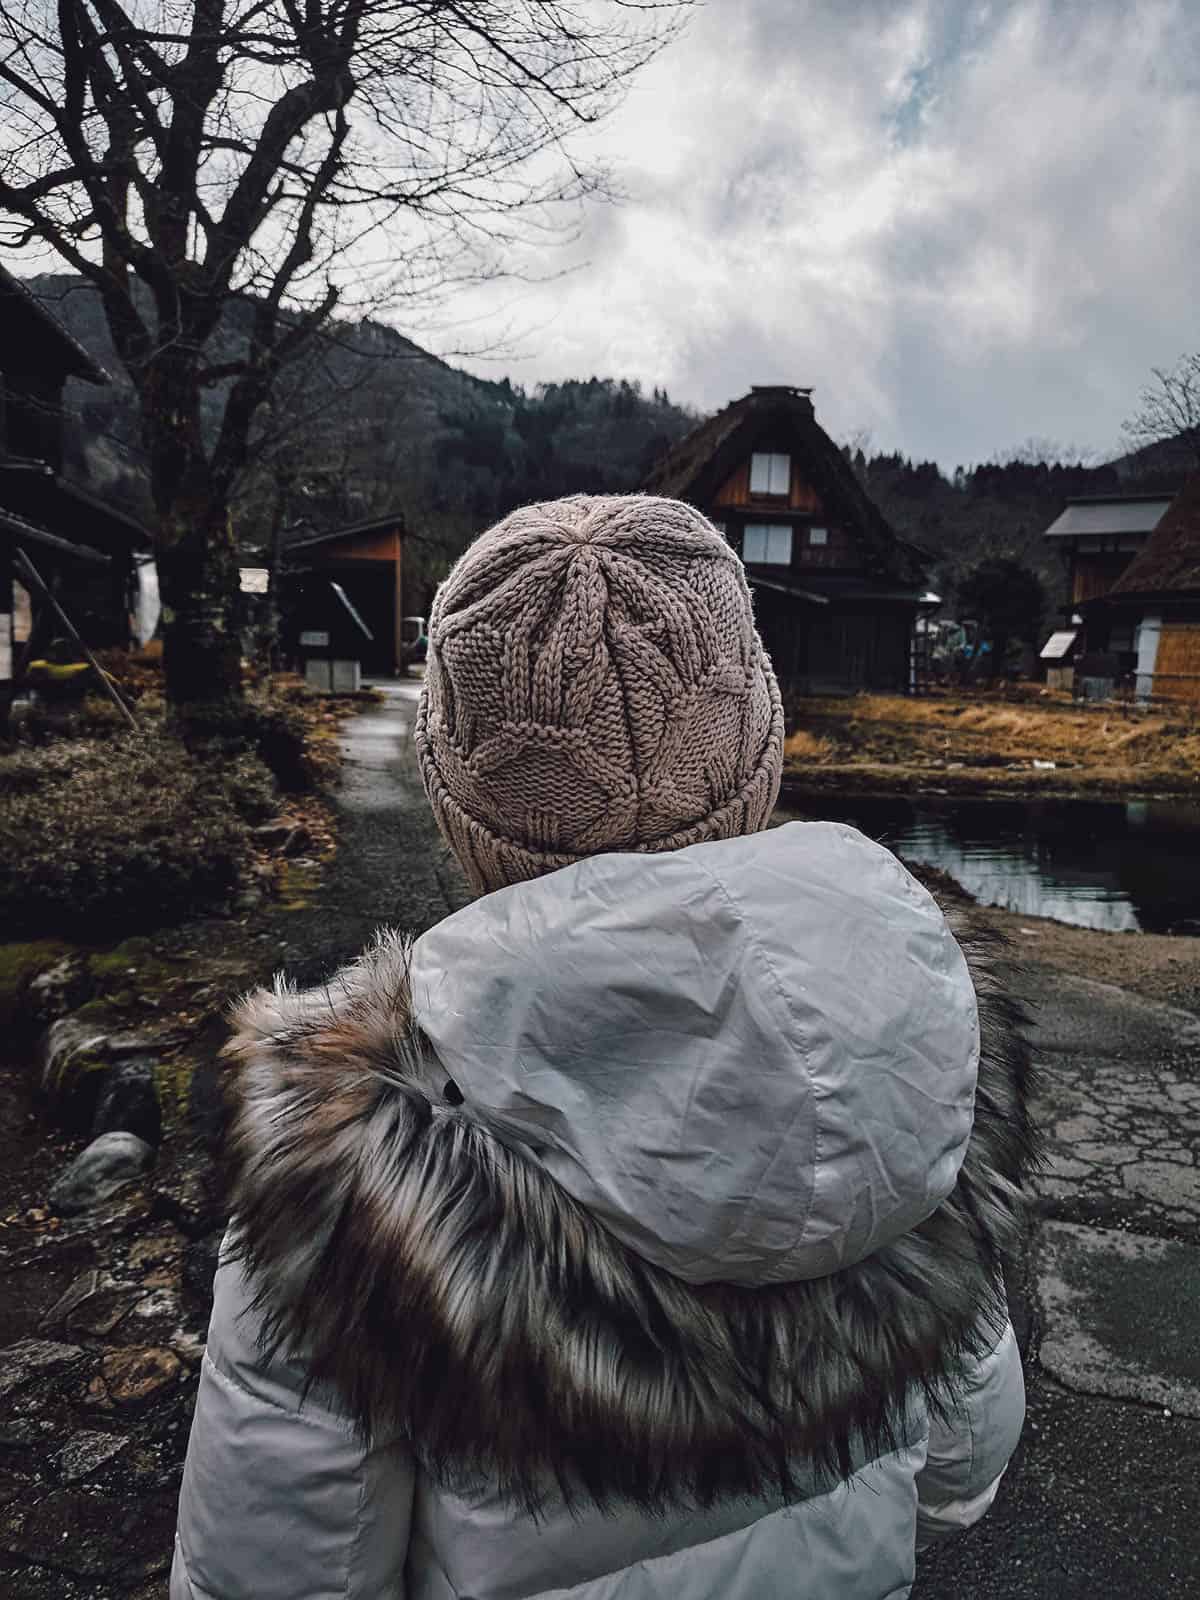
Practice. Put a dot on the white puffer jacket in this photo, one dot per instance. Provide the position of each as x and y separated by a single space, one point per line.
635 1233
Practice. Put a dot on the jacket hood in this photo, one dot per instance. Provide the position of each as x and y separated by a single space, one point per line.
483 1279
753 1060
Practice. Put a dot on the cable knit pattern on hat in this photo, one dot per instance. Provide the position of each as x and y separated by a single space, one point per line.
595 682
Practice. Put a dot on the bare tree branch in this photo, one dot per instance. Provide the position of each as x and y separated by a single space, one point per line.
1169 410
249 163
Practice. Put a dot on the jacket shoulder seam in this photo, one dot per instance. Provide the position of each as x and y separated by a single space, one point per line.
326 1421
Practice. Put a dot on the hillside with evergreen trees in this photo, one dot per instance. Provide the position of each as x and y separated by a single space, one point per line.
369 422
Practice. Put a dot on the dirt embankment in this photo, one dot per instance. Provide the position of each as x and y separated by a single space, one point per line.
1156 966
1045 747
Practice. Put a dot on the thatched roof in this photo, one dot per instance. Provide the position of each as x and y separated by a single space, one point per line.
1170 562
699 464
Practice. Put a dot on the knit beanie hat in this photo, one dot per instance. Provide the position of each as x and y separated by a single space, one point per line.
594 682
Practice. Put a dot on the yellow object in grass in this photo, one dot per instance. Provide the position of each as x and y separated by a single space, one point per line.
57 671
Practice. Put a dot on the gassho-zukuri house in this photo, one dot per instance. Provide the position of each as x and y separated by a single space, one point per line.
836 592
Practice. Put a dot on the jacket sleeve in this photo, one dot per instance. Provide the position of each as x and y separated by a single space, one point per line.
280 1499
970 1447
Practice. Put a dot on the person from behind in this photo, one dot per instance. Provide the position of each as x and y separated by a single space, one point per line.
638 1230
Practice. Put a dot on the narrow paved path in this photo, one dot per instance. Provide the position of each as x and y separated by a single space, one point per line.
391 867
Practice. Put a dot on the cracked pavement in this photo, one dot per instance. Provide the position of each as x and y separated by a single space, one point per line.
1120 1107
1103 1495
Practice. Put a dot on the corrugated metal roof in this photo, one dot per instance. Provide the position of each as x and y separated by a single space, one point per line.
381 524
1130 514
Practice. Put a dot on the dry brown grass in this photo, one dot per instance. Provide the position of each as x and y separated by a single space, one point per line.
1111 745
805 746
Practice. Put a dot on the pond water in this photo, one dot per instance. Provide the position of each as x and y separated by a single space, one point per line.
1116 866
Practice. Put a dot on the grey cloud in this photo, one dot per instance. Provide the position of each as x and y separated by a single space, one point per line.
965 225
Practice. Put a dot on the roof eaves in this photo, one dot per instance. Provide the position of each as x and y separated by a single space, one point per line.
756 582
95 502
696 467
21 531
86 366
394 520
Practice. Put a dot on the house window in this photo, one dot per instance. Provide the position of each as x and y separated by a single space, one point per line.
767 544
818 536
770 474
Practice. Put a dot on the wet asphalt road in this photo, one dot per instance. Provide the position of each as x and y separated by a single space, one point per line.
1103 1496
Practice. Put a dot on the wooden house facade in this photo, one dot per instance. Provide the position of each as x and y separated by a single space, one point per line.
836 592
83 548
362 564
1156 604
1098 538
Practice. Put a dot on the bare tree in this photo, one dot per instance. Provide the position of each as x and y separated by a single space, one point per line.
186 154
1169 410
1039 450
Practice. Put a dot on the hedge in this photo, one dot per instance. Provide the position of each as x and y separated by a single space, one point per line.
129 831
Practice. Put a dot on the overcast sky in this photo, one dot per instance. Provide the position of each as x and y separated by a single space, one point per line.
963 224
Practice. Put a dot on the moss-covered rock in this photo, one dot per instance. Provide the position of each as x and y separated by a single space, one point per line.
173 1081
74 1062
133 961
20 964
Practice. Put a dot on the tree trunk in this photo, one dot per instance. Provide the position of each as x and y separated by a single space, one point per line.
272 612
195 549
198 577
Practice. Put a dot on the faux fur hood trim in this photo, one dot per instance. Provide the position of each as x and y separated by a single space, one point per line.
455 1295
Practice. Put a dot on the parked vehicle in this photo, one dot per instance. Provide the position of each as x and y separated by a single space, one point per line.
414 642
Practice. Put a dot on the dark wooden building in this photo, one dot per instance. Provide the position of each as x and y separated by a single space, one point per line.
836 592
1155 603
365 561
84 548
1098 538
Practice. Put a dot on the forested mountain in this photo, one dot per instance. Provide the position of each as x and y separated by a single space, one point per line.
993 511
369 422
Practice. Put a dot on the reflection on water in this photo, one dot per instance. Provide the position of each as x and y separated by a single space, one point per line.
1114 866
